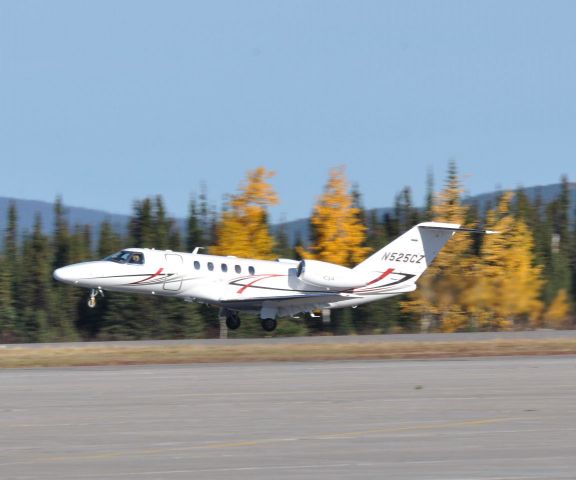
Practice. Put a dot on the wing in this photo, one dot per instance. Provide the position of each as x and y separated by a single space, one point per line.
286 304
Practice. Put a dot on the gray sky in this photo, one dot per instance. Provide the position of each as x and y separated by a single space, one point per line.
108 101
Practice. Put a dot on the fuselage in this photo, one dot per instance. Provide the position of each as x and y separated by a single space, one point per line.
211 279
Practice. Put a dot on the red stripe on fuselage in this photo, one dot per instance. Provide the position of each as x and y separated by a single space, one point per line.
384 275
150 277
262 277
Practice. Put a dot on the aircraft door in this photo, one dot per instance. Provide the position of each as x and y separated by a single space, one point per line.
173 281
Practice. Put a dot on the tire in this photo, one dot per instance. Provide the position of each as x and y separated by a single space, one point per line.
269 324
233 322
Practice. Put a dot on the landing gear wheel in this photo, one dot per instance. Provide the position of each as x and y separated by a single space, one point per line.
94 292
233 321
91 301
269 324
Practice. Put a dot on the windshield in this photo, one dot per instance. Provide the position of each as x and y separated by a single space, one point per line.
126 256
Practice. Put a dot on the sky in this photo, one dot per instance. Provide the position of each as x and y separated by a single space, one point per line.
106 102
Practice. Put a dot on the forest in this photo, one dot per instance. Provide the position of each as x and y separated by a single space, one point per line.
524 277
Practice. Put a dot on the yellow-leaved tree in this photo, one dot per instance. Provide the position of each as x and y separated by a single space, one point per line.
439 301
558 313
338 232
243 227
508 286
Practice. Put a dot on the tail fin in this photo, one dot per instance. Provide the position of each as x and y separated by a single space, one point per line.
411 253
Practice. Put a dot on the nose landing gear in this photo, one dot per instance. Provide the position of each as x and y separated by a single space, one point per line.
94 292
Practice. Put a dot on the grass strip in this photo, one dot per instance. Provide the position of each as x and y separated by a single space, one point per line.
94 355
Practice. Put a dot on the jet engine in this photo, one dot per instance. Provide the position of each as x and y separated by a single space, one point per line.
329 275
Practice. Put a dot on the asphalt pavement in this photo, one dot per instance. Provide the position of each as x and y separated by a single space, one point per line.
512 418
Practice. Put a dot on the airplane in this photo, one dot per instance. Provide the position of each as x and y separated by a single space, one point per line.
272 289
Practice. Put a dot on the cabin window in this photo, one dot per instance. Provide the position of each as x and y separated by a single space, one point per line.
238 269
196 264
210 266
251 270
224 267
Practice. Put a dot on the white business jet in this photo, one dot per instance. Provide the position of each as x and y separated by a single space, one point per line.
270 288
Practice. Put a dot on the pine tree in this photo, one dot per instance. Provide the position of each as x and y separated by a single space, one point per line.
109 241
282 248
7 306
36 290
63 318
194 232
141 226
163 226
429 196
10 326
243 228
406 214
557 269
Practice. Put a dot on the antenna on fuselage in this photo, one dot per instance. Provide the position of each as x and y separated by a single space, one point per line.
197 249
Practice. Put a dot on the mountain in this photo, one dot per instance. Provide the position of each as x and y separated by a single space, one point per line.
295 229
300 229
28 210
547 194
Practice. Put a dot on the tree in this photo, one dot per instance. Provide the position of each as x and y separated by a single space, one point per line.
141 226
10 328
194 231
109 241
36 300
243 229
406 215
508 284
7 307
282 247
429 195
439 301
557 268
559 312
338 231
66 249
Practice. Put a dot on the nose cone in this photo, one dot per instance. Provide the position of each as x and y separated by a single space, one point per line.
65 275
74 274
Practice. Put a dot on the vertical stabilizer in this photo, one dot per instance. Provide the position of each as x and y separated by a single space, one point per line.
412 252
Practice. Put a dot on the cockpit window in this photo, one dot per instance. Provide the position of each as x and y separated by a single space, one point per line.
137 258
125 256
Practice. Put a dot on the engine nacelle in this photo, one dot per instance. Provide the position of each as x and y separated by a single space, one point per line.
329 275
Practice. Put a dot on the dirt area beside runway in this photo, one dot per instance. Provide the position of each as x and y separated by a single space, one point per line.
264 351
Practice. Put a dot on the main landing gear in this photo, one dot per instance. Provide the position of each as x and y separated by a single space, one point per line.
269 324
232 320
94 292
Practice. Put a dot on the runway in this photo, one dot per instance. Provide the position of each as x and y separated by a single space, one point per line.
474 419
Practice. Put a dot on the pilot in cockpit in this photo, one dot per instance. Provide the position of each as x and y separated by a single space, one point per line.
126 256
136 258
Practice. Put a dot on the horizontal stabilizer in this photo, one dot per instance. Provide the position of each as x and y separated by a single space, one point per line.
454 228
